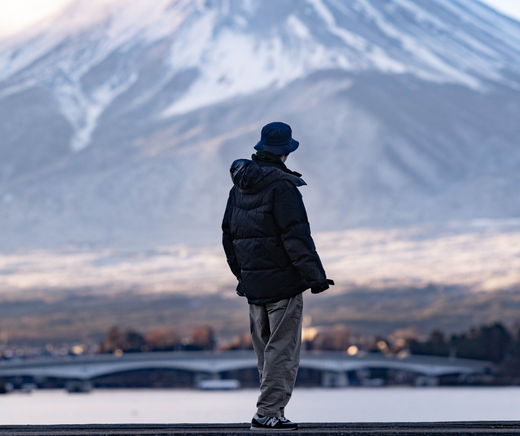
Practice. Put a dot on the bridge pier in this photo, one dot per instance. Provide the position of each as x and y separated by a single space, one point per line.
425 380
199 376
334 379
78 386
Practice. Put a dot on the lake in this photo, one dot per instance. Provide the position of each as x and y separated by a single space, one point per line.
307 405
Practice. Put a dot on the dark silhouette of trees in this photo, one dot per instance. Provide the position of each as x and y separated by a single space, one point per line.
241 342
490 343
129 341
122 341
483 343
510 367
163 340
436 345
335 338
202 339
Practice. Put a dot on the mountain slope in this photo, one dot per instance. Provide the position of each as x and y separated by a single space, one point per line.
120 118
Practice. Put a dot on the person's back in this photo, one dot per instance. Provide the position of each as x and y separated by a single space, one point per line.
269 248
268 224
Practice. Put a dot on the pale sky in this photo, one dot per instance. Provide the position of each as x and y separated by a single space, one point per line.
15 15
507 7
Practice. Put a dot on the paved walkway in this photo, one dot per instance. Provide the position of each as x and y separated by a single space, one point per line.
336 429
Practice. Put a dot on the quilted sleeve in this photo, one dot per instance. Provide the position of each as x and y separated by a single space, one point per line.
227 240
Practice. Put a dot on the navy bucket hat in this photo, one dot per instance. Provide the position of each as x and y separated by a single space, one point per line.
277 138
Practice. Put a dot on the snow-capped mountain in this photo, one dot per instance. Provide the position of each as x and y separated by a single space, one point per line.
119 118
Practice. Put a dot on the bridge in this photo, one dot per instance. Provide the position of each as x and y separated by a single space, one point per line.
334 366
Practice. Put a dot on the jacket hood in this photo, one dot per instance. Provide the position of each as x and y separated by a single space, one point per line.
250 178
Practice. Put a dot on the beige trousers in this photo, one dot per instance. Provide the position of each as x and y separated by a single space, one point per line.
276 331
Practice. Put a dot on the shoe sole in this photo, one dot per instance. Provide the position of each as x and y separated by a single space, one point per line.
272 428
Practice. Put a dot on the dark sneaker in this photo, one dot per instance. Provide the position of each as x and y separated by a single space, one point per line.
272 423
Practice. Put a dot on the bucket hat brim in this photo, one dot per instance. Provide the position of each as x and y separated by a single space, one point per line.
281 149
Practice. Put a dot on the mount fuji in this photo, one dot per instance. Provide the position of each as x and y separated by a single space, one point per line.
119 118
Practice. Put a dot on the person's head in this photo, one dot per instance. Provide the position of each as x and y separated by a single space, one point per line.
277 138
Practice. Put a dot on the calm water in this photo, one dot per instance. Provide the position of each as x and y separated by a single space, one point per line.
307 405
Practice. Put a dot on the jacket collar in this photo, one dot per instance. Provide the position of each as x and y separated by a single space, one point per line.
266 158
250 177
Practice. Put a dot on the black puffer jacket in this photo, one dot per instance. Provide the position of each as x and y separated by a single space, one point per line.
266 234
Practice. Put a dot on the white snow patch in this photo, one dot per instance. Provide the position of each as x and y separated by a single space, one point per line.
83 111
374 55
507 31
349 38
383 62
16 89
298 28
234 64
425 56
190 45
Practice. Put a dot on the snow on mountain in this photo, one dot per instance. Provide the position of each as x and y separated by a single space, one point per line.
120 117
237 50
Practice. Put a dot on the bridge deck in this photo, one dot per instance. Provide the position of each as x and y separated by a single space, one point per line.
308 429
90 367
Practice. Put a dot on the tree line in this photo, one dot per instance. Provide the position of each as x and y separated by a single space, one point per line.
492 342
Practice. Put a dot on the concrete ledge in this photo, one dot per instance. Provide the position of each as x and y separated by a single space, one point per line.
322 429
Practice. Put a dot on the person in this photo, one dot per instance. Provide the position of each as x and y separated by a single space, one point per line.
269 248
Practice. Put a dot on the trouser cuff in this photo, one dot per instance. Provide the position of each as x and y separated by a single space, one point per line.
269 413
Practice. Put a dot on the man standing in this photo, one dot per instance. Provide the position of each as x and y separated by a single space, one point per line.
269 248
